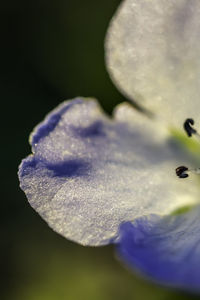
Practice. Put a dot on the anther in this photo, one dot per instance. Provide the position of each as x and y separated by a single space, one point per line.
180 172
188 128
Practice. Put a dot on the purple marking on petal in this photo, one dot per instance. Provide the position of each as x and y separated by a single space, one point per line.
52 120
167 250
94 130
69 168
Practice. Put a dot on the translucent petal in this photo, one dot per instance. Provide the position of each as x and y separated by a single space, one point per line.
153 56
89 173
166 250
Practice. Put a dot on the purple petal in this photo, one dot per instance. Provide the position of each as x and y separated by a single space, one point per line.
167 250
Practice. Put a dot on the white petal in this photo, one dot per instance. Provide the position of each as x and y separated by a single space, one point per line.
89 173
153 56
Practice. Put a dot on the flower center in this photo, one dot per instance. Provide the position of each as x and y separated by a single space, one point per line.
182 171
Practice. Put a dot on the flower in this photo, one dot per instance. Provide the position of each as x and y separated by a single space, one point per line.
98 180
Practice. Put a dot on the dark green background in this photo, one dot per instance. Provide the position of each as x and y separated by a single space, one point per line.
51 51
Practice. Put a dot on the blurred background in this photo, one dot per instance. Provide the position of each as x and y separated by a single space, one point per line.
51 51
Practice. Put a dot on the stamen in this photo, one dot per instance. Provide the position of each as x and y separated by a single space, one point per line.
188 128
182 171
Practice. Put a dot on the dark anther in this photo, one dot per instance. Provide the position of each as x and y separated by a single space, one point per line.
188 128
180 172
